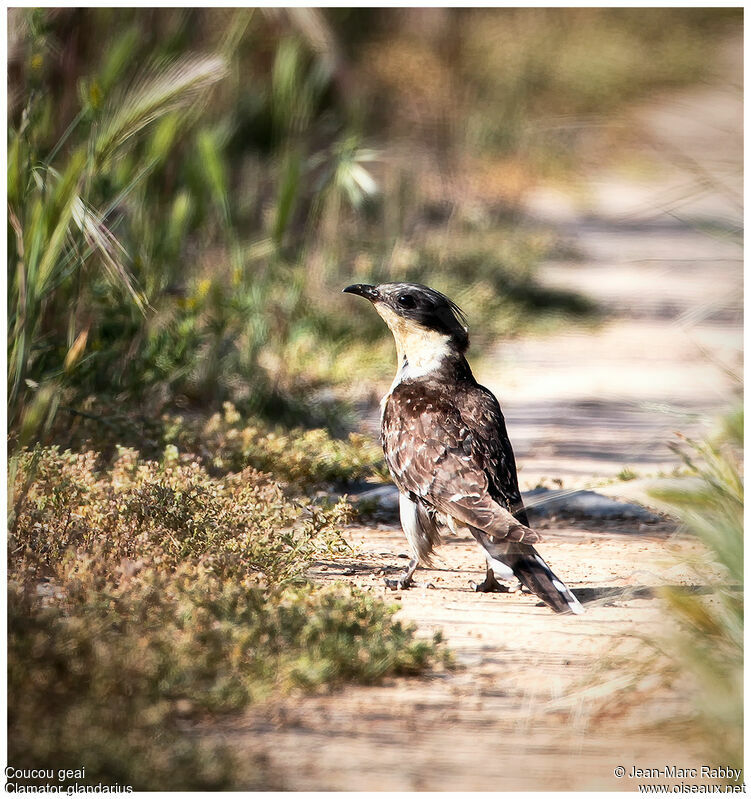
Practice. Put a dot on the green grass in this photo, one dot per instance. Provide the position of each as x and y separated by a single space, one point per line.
708 646
683 682
626 474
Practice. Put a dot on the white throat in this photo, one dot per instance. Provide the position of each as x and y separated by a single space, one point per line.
419 351
421 355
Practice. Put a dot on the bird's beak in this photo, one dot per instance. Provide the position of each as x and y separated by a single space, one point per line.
362 290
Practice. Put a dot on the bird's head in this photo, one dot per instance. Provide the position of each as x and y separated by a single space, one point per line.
426 324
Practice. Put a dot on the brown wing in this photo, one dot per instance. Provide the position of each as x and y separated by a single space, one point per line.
493 448
443 456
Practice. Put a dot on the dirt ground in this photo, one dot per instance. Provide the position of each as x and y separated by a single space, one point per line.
539 701
534 702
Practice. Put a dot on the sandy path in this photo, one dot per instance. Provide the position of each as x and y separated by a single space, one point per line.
523 710
663 256
532 704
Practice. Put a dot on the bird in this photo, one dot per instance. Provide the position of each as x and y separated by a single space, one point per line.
446 447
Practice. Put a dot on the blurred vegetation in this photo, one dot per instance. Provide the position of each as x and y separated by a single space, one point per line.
300 458
708 647
149 597
189 189
685 681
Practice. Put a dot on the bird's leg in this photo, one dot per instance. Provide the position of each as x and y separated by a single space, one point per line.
405 581
490 584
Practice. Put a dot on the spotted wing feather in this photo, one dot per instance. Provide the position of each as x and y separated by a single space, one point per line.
493 450
450 459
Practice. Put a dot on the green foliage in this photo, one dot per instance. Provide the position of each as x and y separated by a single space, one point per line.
162 513
83 693
187 202
146 595
709 647
108 683
302 458
201 287
58 233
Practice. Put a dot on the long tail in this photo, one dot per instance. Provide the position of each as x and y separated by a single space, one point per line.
520 559
532 571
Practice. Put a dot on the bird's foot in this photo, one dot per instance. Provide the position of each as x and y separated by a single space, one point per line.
400 584
490 585
405 580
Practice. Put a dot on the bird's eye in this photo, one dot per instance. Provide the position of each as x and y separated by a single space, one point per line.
406 301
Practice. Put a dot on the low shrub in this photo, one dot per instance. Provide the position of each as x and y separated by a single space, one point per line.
148 596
